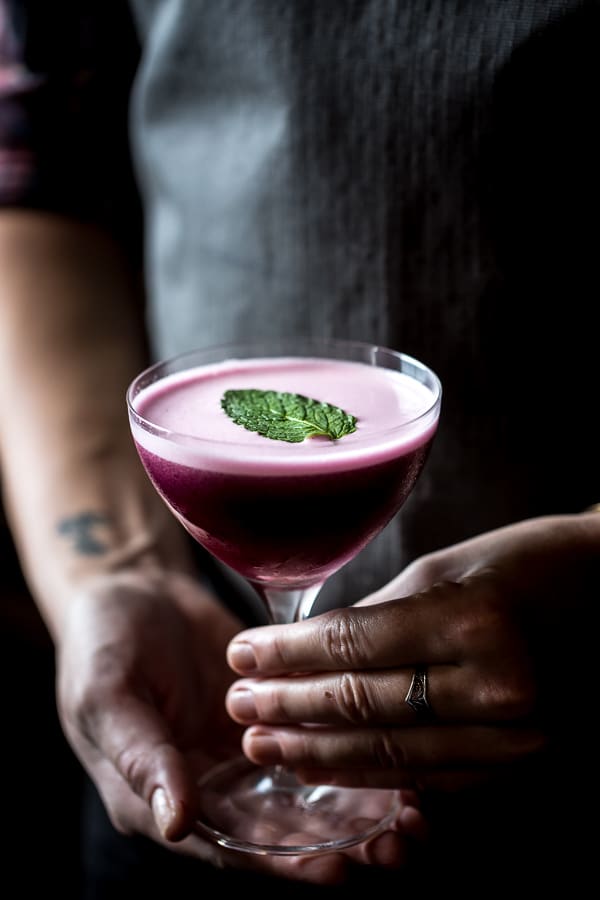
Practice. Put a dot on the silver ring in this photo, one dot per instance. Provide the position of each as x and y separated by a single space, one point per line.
417 693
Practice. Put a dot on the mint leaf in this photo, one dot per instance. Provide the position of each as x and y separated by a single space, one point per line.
286 417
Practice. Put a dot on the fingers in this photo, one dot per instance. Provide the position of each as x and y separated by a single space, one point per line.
328 869
455 694
324 869
388 848
134 738
450 623
380 636
402 750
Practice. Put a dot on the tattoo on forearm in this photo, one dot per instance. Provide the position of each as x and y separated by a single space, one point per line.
85 531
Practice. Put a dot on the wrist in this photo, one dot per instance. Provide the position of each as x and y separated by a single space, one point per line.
88 548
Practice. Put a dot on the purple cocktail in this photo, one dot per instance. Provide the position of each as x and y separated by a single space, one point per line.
285 531
285 514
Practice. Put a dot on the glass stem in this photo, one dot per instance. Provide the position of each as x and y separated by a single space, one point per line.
285 607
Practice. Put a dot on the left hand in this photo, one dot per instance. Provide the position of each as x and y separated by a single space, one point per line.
484 617
141 682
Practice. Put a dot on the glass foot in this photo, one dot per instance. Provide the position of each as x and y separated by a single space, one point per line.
267 811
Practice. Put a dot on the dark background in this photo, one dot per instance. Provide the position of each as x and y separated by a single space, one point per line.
41 777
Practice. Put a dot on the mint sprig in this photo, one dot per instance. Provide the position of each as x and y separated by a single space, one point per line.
282 416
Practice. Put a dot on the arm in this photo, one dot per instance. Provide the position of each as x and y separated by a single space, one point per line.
91 532
69 304
114 586
141 669
71 340
107 565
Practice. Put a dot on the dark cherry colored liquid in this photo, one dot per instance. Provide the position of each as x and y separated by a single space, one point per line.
289 531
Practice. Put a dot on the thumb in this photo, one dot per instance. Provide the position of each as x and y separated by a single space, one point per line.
137 741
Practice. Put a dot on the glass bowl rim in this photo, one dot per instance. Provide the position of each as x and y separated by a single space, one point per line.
228 350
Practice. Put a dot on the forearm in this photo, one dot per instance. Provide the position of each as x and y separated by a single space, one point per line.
76 496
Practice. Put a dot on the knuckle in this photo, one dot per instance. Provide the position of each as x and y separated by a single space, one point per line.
274 658
520 744
388 753
479 623
344 637
298 749
129 764
516 699
273 706
511 697
471 629
353 698
136 767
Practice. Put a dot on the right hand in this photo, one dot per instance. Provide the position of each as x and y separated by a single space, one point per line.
142 679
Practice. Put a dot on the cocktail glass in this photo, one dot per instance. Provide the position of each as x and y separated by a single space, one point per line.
285 516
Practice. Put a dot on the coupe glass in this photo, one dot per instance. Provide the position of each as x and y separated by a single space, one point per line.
286 516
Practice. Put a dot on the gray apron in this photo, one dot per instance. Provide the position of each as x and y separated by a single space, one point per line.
407 172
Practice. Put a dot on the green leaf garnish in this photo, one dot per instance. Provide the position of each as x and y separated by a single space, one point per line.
286 417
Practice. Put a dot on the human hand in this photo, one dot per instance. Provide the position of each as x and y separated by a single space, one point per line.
485 619
142 678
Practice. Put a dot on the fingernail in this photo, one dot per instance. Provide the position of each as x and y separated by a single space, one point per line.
241 657
264 749
242 705
163 811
